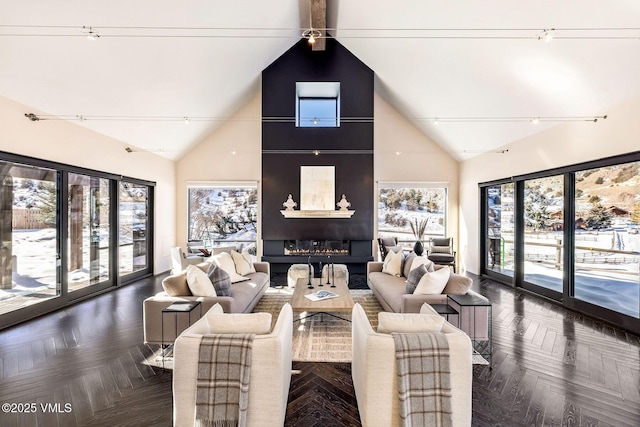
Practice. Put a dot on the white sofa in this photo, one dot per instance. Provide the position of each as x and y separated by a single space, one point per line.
270 372
375 375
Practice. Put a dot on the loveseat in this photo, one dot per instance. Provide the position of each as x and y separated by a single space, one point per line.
244 297
390 291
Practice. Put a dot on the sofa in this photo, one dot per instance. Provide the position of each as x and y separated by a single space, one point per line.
244 297
390 291
375 379
270 371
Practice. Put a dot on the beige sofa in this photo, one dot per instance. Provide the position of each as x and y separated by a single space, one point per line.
270 372
390 291
244 296
375 375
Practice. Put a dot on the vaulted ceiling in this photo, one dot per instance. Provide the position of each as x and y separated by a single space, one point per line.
158 61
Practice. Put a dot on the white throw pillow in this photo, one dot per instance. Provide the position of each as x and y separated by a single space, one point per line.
199 283
225 262
422 260
409 322
243 263
239 323
433 283
393 263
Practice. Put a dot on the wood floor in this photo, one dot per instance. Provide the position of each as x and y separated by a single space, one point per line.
551 367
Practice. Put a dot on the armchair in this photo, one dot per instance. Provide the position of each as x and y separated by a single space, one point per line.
441 251
180 261
270 372
374 372
384 243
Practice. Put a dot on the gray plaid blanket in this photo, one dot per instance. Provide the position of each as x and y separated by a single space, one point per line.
424 384
222 387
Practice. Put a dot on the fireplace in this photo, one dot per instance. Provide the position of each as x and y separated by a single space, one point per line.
282 253
317 247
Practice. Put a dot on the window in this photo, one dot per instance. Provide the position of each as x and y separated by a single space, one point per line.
402 204
576 236
317 104
59 234
223 212
134 226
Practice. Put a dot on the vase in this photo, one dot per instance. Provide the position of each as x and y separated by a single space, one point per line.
418 248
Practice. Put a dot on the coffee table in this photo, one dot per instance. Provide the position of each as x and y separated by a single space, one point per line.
342 304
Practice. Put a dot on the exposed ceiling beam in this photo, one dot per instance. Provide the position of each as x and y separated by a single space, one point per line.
319 20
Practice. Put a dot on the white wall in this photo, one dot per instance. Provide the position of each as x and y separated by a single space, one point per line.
213 159
66 142
420 159
565 144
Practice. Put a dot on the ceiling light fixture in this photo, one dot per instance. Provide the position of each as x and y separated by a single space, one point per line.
311 35
315 121
187 120
32 117
547 35
535 120
91 35
316 152
436 121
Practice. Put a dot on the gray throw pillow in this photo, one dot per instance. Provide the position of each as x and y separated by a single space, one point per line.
407 264
414 278
221 280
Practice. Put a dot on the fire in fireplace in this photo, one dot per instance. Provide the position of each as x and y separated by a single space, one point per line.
317 247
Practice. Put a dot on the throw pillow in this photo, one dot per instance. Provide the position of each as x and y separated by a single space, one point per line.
414 278
408 261
243 262
393 263
176 285
239 323
220 280
409 322
422 260
225 262
199 283
433 283
457 284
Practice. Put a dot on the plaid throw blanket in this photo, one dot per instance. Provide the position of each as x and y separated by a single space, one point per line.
424 385
222 387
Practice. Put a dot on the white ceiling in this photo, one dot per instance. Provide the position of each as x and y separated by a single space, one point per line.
212 73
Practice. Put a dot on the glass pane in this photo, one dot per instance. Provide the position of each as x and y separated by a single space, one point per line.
226 215
543 232
28 234
500 228
314 112
133 214
88 244
607 241
400 208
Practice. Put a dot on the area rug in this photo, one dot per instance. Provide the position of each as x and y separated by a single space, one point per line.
321 338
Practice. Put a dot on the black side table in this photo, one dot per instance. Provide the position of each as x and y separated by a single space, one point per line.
449 313
480 346
187 308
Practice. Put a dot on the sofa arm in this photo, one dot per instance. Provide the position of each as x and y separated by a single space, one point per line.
263 267
374 266
411 303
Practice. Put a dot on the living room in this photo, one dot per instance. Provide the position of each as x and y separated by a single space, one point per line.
414 81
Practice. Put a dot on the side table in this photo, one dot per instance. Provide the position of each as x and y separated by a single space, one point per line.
449 313
480 339
187 308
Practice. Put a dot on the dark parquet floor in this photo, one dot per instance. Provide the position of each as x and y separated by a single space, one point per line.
551 367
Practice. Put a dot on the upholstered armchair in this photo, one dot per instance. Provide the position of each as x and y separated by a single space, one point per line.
270 371
384 243
180 261
375 379
441 251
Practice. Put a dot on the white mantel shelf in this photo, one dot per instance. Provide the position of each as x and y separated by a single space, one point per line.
317 214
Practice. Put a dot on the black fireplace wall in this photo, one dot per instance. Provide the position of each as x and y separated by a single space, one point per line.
348 147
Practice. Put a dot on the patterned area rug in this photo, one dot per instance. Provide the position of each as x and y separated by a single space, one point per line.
321 338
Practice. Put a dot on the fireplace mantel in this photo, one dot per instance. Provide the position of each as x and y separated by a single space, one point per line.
317 213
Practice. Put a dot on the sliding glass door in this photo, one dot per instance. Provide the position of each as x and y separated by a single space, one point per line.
133 233
575 238
29 236
543 218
